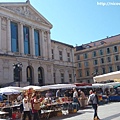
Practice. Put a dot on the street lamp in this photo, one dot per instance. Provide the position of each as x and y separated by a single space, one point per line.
17 70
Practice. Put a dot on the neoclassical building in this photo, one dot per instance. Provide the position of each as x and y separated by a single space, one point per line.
25 38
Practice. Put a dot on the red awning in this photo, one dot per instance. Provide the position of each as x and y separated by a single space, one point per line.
83 84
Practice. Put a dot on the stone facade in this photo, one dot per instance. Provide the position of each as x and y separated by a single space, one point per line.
66 65
24 14
97 58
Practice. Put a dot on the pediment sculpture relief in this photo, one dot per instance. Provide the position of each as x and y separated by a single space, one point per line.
26 11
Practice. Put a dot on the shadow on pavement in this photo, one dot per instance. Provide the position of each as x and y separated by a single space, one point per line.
81 111
112 117
65 116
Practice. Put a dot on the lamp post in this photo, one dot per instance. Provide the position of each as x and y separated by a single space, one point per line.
17 70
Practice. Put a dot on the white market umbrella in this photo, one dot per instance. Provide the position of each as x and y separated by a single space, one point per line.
59 86
8 91
36 88
20 89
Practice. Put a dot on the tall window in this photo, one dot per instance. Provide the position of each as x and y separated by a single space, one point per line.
103 70
68 56
37 42
52 51
79 65
62 77
86 63
108 50
70 77
85 56
87 73
116 57
26 40
115 49
95 62
96 71
108 59
78 57
14 37
80 73
102 60
94 53
40 76
60 55
117 67
29 74
110 69
101 52
54 77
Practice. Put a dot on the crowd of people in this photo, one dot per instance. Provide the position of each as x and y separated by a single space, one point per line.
30 101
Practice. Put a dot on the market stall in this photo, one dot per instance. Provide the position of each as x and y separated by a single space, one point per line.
10 106
49 107
59 86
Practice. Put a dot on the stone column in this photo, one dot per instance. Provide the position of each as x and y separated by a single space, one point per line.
0 35
40 39
8 36
42 44
32 42
21 42
49 45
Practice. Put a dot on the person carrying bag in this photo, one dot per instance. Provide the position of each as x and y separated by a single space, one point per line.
35 104
93 100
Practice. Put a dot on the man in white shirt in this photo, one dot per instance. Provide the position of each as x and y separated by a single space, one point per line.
75 94
26 108
75 98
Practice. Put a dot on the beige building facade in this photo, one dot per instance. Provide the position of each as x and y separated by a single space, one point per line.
25 38
97 58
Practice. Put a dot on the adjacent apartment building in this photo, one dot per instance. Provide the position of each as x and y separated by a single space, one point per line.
97 58
25 39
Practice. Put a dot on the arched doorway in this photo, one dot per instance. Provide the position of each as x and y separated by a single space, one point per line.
17 72
29 75
40 76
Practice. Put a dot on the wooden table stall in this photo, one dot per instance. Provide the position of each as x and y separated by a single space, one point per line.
55 108
12 111
50 110
3 115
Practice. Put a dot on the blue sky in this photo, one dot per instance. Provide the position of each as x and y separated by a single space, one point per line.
79 21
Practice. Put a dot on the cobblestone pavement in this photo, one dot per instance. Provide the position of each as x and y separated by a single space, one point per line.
110 111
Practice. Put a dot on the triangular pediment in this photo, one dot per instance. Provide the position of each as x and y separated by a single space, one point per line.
26 10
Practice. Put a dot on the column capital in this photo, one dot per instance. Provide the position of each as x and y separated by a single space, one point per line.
32 26
21 23
9 19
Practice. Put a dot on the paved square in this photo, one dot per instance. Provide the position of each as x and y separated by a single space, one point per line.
110 111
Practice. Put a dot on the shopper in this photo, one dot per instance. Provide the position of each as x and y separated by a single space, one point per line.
75 99
35 100
58 94
26 108
81 98
93 100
